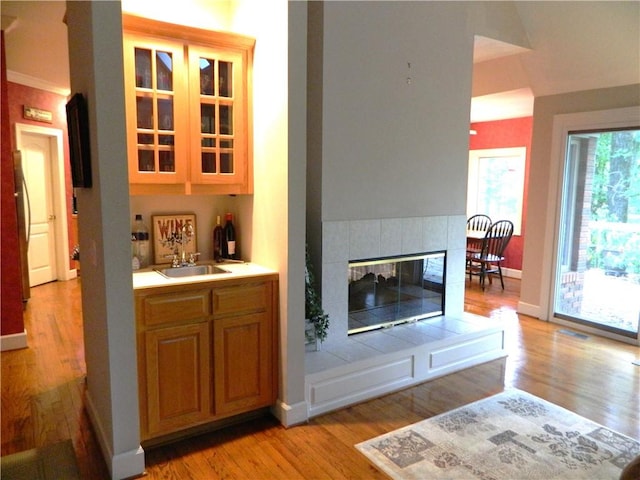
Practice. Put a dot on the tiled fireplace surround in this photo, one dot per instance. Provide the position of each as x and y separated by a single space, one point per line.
349 369
343 241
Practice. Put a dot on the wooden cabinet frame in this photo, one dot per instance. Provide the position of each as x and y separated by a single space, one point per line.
186 44
206 351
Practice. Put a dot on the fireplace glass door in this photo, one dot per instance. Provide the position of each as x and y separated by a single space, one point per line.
390 291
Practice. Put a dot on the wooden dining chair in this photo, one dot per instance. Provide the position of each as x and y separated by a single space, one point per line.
479 222
476 223
477 226
489 260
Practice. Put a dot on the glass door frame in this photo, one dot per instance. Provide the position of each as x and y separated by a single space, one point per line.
563 125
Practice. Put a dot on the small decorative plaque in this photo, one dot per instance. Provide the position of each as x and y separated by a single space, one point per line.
36 114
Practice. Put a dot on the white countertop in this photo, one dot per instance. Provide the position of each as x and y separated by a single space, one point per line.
149 278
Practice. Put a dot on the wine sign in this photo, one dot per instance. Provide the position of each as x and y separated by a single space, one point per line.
169 232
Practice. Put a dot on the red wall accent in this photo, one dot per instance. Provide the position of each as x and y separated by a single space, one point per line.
11 321
20 95
509 133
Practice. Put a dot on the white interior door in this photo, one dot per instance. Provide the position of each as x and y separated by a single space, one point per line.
41 222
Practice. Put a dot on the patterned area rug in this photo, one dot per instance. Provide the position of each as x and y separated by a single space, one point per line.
512 435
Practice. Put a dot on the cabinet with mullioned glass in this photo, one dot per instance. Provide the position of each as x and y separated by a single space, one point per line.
218 108
187 102
156 96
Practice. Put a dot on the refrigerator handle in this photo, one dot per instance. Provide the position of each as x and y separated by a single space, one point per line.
28 212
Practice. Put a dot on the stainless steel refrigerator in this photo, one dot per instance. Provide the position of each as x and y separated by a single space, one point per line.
24 220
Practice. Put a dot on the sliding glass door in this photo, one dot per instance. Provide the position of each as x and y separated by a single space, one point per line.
597 280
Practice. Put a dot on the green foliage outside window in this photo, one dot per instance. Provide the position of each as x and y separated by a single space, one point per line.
615 203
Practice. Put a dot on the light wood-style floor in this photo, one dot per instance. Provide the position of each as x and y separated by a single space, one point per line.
42 397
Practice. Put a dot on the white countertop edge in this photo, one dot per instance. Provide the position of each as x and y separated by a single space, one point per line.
149 278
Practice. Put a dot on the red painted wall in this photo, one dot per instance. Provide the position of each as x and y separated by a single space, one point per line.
11 321
509 133
20 95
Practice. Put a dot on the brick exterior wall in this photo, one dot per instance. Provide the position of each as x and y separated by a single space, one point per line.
571 282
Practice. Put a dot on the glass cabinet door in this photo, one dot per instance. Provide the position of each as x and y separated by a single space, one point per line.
154 113
217 77
154 77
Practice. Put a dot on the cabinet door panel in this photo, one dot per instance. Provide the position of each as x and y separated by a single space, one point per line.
242 363
219 152
156 104
177 377
176 306
241 299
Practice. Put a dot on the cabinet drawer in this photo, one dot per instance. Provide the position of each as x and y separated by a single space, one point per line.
252 297
173 307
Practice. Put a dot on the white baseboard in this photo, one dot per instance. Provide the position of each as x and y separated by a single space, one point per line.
530 310
290 415
128 464
123 465
511 273
69 274
14 341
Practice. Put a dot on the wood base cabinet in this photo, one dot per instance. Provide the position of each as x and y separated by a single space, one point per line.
177 372
206 351
243 342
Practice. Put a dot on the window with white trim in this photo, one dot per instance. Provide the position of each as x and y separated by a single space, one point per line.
496 184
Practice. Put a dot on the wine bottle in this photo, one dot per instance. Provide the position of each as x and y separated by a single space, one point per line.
140 237
218 236
229 243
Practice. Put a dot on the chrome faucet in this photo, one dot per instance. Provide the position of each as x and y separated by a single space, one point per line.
181 258
186 234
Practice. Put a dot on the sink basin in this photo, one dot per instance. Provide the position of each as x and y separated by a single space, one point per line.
190 271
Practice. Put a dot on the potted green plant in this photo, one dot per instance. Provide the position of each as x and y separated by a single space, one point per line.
316 321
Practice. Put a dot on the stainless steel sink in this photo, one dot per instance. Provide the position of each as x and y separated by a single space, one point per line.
190 271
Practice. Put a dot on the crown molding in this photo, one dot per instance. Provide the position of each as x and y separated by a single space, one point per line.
34 82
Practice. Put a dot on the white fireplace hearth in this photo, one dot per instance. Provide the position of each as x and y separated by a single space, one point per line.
353 368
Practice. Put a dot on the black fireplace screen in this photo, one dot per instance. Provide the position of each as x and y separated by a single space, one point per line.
390 291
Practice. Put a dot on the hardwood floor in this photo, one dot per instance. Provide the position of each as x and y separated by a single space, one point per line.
42 397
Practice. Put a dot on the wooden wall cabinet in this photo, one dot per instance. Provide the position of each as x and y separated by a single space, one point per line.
188 103
206 351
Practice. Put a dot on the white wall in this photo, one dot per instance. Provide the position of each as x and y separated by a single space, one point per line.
95 47
393 152
292 333
394 147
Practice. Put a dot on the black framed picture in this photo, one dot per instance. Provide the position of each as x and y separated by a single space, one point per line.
79 144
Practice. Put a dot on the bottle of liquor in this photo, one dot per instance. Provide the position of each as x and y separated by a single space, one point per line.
229 243
140 239
218 240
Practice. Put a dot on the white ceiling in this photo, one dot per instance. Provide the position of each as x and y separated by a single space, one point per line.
499 106
575 46
515 103
485 49
36 43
